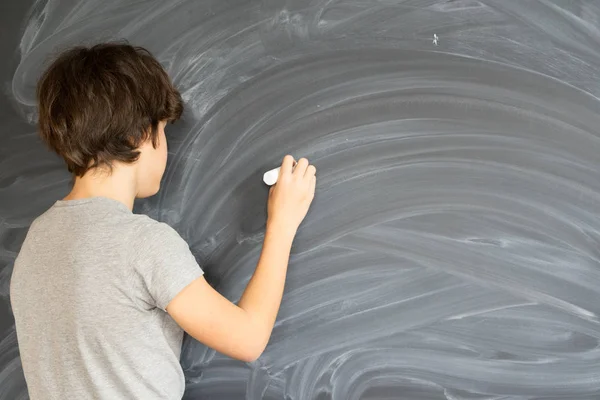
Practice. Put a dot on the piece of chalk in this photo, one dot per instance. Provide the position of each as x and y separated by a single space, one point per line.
270 177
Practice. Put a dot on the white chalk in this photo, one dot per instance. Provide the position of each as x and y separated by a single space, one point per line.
270 177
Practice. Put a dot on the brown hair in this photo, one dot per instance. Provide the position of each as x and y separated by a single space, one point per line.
99 104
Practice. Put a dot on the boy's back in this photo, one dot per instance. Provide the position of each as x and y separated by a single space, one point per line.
98 260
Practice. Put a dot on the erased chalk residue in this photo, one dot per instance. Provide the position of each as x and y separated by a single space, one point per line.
452 248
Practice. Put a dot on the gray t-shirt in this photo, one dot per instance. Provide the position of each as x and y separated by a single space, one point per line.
89 291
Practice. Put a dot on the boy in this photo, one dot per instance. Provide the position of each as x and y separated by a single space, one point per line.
101 296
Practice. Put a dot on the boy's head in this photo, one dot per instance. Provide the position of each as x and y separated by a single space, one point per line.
107 105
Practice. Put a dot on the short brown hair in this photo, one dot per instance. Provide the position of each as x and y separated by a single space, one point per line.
98 104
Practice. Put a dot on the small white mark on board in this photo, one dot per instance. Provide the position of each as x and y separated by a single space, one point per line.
435 39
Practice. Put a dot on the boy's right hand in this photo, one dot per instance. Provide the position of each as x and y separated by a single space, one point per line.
290 197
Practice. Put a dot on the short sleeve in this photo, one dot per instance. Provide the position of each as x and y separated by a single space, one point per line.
164 264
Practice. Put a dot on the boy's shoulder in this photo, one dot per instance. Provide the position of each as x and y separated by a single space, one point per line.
139 228
149 228
148 232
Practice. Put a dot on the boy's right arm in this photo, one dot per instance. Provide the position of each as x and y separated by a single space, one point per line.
242 331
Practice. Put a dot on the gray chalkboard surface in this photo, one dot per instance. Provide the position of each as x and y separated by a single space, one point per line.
452 251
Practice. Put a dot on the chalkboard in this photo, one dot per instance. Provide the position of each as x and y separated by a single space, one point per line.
452 251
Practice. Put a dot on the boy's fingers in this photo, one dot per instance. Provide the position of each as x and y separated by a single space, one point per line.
287 165
310 171
313 184
301 166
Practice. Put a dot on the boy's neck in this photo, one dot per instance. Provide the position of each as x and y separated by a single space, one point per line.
119 185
